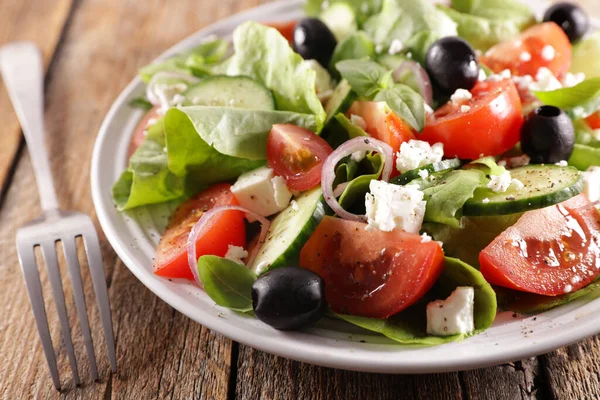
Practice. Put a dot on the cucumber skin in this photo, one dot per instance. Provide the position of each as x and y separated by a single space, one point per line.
442 166
477 208
290 257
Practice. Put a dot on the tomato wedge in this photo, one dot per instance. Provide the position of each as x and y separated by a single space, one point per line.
371 273
550 251
526 54
139 134
297 155
286 28
227 228
594 120
489 125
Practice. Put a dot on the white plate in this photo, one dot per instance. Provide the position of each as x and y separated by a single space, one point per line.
331 343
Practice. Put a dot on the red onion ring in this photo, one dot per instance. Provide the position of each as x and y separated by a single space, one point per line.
150 92
421 78
361 143
206 219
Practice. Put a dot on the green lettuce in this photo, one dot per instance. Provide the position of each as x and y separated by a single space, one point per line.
580 100
361 8
586 56
584 156
584 134
410 325
198 61
264 55
514 11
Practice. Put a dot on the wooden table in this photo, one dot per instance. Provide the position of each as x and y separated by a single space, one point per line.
92 49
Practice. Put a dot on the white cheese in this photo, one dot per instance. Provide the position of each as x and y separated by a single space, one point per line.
464 108
517 184
499 184
417 153
236 253
548 53
525 56
545 81
425 238
482 75
568 289
562 163
571 80
428 109
169 95
358 121
392 207
485 201
396 47
261 191
423 173
461 95
454 315
591 177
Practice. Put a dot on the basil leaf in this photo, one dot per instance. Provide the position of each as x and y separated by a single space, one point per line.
580 100
366 77
405 103
226 282
141 103
584 156
356 46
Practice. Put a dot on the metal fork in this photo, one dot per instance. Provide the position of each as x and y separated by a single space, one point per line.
21 68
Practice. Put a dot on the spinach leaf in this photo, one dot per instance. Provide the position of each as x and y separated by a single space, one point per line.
584 156
198 61
355 46
226 282
580 100
405 103
410 325
366 77
586 56
264 55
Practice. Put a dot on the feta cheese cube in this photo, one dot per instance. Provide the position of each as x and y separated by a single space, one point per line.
425 238
236 253
500 184
423 173
460 96
454 315
517 184
571 80
392 207
545 81
562 163
591 177
417 153
261 191
396 47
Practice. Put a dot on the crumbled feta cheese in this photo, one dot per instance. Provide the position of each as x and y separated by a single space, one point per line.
482 75
261 191
568 289
294 205
169 95
485 201
460 96
392 207
417 153
591 177
425 238
545 81
500 184
423 173
358 155
517 184
548 53
525 56
523 82
576 279
452 316
358 121
236 253
465 109
562 163
396 47
571 80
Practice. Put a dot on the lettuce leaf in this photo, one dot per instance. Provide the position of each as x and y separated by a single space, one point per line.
362 8
264 55
580 100
586 56
514 11
410 325
584 156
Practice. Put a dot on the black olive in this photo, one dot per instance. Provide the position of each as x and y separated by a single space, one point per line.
547 136
452 64
314 41
570 17
289 298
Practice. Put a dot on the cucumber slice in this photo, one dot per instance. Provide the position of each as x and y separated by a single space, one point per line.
442 166
289 231
341 100
230 91
340 19
545 185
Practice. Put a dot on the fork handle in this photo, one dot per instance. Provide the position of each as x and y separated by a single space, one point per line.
22 69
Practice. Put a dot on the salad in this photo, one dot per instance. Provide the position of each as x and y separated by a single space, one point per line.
406 167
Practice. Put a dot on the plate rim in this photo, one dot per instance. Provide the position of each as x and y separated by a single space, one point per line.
347 359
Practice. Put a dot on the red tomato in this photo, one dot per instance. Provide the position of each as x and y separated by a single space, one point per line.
509 54
139 133
594 120
550 251
371 273
297 155
491 126
286 28
227 228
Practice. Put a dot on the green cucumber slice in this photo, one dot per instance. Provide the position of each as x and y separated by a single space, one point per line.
545 185
442 166
340 19
289 231
341 100
230 91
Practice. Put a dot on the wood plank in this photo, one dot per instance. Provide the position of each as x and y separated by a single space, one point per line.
42 22
160 353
